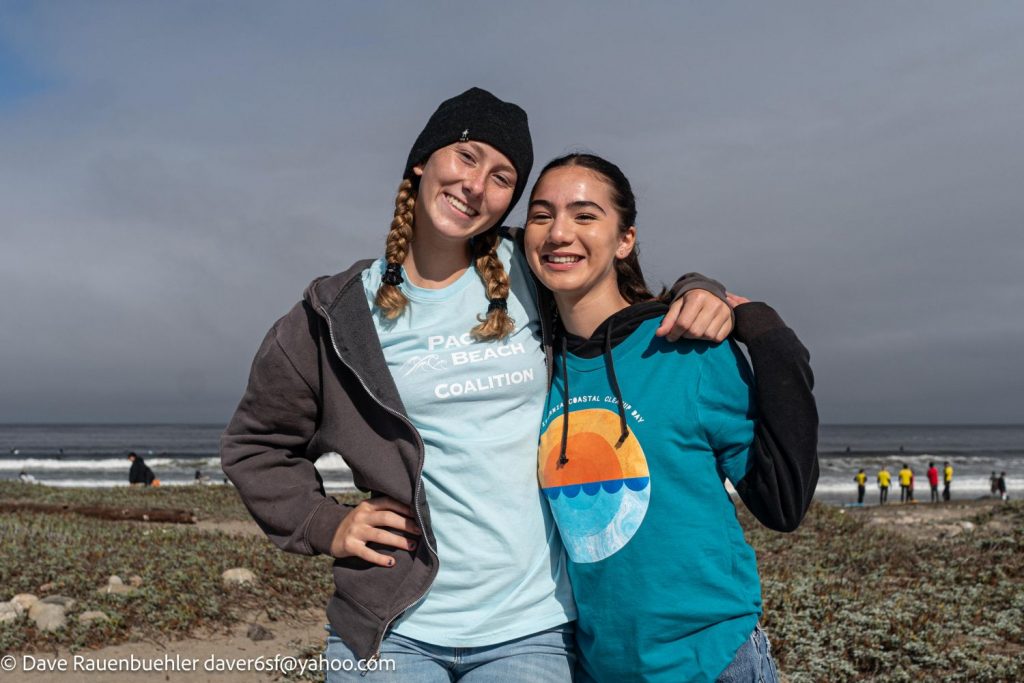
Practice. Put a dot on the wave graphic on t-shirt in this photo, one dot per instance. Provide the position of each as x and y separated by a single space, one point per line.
600 496
593 488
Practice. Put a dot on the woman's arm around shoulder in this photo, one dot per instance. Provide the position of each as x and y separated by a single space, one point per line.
783 470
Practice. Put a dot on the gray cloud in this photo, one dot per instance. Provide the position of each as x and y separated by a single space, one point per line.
190 167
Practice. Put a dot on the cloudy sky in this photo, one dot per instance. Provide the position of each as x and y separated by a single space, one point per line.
173 174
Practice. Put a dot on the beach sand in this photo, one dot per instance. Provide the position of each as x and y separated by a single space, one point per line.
929 521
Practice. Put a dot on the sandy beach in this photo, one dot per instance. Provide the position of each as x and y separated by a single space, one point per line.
890 592
931 521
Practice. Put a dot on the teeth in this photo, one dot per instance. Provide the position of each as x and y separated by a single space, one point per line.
464 208
563 259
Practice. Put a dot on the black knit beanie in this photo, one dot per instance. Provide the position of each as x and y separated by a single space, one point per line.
478 115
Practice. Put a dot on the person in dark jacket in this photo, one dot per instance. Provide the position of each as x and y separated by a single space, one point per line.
139 474
426 370
639 437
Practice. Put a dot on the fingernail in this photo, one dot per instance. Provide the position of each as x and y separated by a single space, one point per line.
412 545
391 562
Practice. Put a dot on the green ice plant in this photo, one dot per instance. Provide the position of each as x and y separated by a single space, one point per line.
181 570
843 600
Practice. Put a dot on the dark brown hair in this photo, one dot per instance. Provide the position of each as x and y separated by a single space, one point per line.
630 278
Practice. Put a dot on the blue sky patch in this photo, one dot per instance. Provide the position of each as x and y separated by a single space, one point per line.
18 80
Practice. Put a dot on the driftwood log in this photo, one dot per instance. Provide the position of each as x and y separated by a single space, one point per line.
164 515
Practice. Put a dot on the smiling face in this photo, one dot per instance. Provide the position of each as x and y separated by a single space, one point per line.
574 235
464 189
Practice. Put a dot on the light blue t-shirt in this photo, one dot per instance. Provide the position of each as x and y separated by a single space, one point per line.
477 406
665 583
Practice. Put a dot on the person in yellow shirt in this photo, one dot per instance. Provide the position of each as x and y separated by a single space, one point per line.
862 480
906 476
884 478
947 477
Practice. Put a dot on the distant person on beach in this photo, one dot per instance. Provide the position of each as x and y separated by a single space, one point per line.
423 369
1001 483
26 478
947 477
993 484
862 479
139 474
906 477
933 481
884 480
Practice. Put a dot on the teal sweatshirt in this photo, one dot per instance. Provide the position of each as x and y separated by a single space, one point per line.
666 586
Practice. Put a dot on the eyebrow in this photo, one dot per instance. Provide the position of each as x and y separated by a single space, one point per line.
543 203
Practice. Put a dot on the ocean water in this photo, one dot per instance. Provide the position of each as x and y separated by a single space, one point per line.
975 451
96 455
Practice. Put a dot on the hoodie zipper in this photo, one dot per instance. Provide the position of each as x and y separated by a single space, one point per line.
419 472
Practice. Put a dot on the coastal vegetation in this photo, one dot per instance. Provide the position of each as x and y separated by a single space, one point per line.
859 596
854 595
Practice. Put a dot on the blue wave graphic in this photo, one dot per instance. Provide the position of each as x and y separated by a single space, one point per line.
593 488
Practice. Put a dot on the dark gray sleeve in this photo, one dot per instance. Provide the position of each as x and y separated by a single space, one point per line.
780 483
697 281
264 450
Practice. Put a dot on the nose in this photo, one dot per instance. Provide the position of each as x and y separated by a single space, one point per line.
560 231
473 183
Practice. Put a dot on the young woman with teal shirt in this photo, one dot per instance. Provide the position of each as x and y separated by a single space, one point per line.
639 437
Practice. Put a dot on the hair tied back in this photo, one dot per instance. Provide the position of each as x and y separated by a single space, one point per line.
393 275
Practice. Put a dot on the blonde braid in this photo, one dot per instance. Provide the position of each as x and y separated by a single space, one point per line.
389 297
497 324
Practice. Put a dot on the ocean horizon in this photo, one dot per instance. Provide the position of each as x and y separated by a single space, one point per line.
95 455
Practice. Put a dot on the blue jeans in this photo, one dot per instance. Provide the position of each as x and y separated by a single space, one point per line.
545 657
753 662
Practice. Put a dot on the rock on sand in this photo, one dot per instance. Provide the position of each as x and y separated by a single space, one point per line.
91 616
115 586
48 616
238 576
9 612
24 600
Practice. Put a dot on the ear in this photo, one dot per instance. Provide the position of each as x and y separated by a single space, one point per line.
418 169
626 243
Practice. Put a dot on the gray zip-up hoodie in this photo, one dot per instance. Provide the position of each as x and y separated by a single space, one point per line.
320 384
